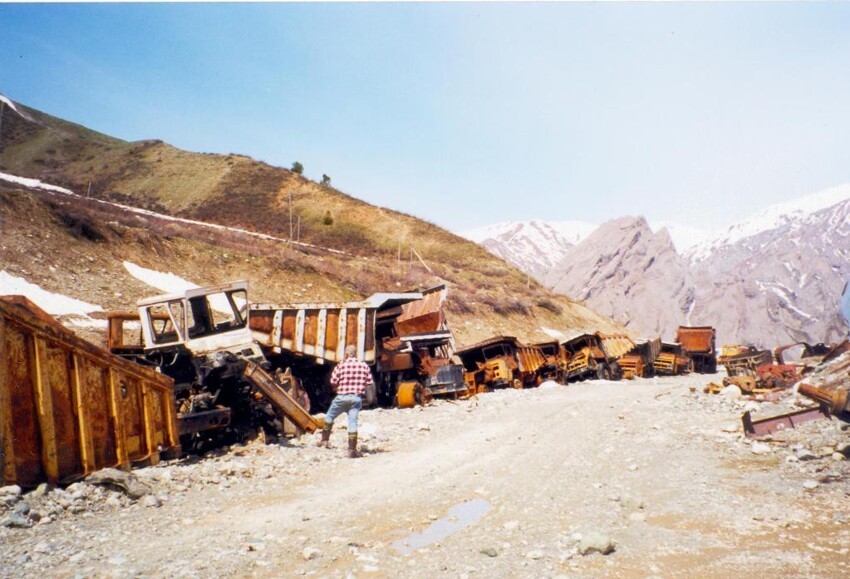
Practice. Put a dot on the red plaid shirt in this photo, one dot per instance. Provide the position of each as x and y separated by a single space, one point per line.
351 376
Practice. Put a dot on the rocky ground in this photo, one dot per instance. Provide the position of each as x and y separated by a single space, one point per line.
640 478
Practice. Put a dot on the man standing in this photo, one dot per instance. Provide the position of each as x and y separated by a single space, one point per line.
351 378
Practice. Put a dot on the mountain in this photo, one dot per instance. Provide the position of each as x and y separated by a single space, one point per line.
536 246
621 268
775 277
75 205
778 281
533 246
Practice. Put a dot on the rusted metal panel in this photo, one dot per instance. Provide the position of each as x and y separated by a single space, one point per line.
281 399
765 426
697 339
323 330
423 315
68 408
616 345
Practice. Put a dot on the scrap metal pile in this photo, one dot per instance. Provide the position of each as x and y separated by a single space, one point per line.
187 371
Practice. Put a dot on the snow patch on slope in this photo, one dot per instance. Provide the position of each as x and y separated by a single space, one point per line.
12 106
34 184
165 282
53 304
173 284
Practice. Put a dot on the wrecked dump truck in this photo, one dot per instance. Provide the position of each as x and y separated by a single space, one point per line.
501 362
69 408
698 343
556 361
595 356
409 350
222 383
672 360
743 360
637 363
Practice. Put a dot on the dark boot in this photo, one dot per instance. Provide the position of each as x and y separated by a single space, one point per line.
352 446
326 437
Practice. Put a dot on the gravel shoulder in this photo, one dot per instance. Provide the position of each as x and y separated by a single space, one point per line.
653 468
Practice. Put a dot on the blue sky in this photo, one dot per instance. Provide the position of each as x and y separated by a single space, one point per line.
469 114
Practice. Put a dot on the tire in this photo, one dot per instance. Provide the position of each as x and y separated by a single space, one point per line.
603 372
616 371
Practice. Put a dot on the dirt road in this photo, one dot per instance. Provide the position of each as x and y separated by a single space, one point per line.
519 482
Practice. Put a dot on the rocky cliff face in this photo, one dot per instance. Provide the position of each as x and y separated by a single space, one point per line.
774 278
778 285
621 269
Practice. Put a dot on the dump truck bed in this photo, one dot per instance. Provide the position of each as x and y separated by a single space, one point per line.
69 408
322 330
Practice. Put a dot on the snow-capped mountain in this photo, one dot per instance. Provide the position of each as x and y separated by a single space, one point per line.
533 246
776 277
771 218
536 246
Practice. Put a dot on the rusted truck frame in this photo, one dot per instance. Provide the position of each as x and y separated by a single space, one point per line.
595 355
311 337
201 339
638 362
501 362
672 360
746 361
69 408
555 363
698 343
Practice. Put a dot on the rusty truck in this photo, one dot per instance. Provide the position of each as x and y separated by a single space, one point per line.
403 336
501 362
225 387
637 363
556 361
596 355
672 360
69 408
698 343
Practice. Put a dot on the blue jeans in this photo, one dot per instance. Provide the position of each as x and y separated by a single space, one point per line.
348 403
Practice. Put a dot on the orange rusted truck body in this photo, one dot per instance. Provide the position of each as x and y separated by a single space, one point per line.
69 408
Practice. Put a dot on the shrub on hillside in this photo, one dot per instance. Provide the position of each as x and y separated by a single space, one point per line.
549 305
297 168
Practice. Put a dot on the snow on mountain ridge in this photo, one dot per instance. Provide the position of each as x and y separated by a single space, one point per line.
772 217
533 246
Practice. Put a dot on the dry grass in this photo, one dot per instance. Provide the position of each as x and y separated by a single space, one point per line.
233 190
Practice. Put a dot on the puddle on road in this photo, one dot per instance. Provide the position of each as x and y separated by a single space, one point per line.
459 516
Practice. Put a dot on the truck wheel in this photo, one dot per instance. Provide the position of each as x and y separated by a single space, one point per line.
517 384
616 371
603 372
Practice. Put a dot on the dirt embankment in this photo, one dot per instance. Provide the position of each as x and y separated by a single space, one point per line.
513 483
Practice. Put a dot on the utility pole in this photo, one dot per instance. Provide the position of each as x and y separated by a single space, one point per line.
298 235
290 217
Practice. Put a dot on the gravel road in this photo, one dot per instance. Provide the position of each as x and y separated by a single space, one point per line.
652 473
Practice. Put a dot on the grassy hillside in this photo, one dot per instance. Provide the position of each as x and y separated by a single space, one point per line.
380 246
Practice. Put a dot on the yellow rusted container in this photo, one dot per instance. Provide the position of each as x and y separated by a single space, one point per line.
69 408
